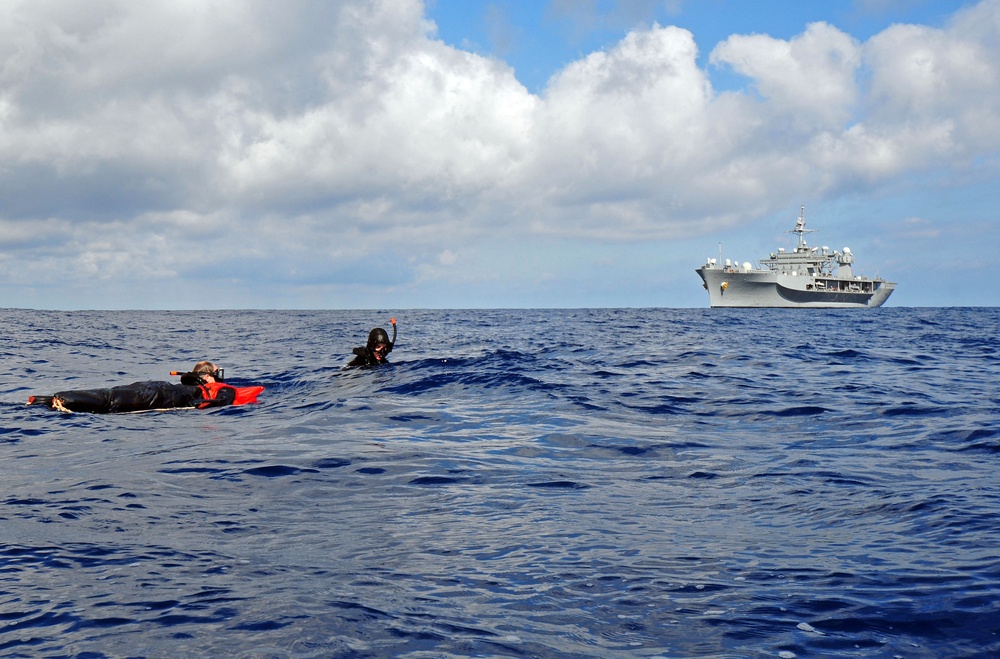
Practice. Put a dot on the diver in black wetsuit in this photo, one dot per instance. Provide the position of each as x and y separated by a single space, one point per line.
374 352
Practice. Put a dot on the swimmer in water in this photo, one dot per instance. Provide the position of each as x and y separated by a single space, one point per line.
375 351
202 387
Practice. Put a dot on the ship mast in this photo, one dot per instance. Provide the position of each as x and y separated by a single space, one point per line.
800 228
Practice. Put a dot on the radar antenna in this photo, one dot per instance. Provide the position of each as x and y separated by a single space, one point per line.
800 228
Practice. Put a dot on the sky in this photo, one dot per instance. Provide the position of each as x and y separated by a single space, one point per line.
400 154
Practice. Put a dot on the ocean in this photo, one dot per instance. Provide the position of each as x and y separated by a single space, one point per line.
516 483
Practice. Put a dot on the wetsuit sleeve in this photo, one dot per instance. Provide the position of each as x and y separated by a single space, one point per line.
361 358
223 396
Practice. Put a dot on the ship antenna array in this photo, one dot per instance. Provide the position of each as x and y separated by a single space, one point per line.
800 227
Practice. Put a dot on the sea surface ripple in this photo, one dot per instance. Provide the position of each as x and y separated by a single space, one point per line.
517 483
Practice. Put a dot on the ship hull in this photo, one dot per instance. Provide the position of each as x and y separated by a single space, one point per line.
763 288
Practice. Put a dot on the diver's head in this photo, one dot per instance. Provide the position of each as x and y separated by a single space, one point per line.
378 344
208 372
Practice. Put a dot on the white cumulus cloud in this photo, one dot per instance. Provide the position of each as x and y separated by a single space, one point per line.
316 142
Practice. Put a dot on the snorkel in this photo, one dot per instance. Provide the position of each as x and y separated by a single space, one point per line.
380 356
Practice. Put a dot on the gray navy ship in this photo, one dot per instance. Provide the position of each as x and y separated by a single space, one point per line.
807 277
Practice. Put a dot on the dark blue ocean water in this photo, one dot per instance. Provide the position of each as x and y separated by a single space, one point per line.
571 483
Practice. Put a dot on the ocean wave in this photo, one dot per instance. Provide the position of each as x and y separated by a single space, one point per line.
550 483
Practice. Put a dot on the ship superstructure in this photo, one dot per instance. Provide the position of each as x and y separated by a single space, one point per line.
805 277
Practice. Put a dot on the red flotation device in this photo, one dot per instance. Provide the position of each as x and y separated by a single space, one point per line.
218 393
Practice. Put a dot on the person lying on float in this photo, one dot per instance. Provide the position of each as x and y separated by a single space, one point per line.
202 387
